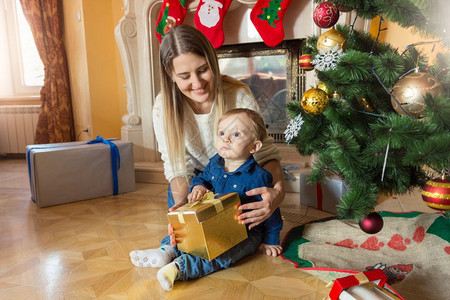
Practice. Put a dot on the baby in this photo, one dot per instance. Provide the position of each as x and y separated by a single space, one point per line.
240 134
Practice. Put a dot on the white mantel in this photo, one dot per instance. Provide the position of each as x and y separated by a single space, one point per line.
139 50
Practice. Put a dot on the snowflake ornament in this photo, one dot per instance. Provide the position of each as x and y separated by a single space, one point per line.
293 128
328 60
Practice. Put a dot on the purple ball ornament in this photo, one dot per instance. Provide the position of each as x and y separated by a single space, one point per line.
372 223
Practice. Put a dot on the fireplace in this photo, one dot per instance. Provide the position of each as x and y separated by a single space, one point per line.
139 49
272 74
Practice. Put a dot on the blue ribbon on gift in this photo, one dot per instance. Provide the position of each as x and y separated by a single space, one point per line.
115 159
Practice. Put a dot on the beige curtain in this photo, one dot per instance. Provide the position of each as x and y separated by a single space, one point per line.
55 124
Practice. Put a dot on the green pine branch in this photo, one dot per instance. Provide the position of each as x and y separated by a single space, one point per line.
360 137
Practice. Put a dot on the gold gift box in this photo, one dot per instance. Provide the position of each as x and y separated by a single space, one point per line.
209 227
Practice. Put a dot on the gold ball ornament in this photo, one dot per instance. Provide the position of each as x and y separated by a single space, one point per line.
314 101
331 38
321 85
410 92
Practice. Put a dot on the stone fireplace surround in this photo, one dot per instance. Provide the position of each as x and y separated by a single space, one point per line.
139 48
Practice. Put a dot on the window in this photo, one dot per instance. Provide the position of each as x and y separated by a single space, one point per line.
19 55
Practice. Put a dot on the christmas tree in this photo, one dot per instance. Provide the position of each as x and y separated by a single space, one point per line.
271 13
373 134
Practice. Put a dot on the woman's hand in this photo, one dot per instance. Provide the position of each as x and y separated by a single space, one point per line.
271 197
180 189
173 241
260 210
177 205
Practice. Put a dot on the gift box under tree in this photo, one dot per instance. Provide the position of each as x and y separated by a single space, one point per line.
68 172
369 285
322 195
209 227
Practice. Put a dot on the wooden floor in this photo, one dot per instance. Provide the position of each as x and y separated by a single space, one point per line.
80 250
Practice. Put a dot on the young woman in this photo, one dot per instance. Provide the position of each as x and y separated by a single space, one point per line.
194 95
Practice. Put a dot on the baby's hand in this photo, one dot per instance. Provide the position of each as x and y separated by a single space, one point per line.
271 250
197 193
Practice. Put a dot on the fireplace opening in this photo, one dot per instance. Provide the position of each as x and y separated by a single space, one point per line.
272 74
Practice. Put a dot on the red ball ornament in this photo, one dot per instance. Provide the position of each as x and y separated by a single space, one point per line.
305 62
372 223
326 14
436 193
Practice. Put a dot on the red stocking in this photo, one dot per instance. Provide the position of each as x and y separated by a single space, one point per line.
172 13
209 18
267 16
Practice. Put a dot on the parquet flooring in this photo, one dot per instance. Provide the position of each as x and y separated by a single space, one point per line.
80 250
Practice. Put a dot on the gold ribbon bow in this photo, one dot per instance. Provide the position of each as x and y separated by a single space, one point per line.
362 278
208 198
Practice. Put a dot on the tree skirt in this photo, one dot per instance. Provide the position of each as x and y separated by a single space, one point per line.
413 250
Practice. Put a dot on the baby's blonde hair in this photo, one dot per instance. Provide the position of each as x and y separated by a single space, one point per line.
258 126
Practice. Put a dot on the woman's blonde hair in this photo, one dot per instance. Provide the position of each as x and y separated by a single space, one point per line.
184 39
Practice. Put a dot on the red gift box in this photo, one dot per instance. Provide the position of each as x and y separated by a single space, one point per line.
377 276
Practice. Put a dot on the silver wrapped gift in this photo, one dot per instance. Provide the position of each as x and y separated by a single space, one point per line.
324 195
67 172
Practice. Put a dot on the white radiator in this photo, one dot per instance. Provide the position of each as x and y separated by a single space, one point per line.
17 127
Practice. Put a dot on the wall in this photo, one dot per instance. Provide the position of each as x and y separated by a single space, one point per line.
101 59
117 14
5 78
96 74
75 43
400 38
96 70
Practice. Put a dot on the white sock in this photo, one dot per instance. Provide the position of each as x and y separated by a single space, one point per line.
167 276
152 258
